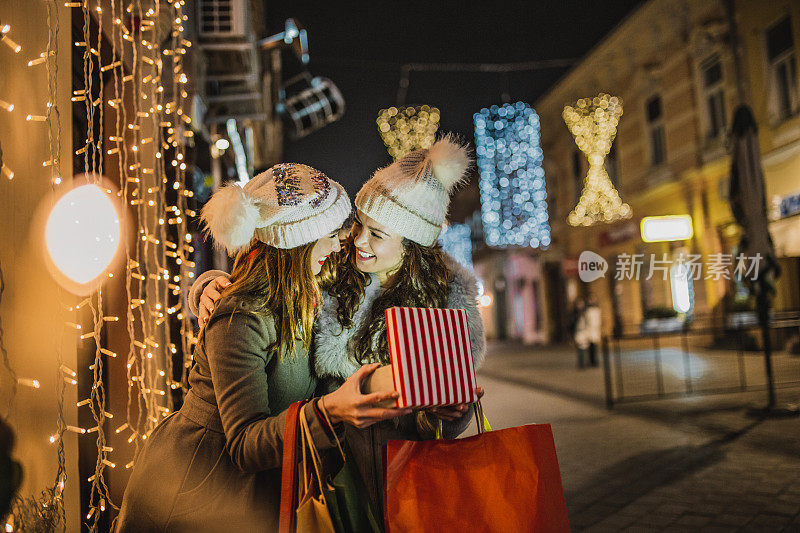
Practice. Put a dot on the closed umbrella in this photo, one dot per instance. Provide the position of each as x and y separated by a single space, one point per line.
748 203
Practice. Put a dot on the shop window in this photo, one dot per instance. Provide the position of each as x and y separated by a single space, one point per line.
656 133
714 97
782 69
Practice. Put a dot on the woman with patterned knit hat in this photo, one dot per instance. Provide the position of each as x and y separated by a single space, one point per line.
390 259
215 464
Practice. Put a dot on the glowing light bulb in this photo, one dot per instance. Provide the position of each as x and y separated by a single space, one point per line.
83 233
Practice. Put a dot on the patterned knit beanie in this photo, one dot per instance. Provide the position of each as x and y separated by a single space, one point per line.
287 206
411 195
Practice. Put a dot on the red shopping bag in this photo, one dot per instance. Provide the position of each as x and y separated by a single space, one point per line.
505 480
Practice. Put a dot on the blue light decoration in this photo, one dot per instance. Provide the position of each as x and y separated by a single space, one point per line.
456 240
513 195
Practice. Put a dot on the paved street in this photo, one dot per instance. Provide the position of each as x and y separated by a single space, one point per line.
689 464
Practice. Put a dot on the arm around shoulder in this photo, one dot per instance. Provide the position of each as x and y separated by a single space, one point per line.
196 291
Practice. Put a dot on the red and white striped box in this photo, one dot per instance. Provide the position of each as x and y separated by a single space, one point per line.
431 356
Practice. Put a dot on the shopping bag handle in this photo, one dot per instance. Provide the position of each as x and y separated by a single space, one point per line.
480 419
311 449
289 483
322 408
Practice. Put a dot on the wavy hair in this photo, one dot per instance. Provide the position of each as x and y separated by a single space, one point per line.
420 281
280 283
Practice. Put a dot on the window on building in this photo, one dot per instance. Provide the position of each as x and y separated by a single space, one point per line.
577 173
783 68
714 97
612 165
655 127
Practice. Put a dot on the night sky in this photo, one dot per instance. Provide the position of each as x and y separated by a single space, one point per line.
361 46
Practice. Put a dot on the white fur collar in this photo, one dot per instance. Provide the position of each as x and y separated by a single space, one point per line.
331 358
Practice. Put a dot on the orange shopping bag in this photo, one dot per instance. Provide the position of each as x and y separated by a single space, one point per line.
504 480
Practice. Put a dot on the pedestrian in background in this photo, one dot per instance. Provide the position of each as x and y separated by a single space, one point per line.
587 331
578 330
594 328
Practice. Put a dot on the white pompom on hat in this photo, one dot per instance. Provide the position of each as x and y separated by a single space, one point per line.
287 206
411 195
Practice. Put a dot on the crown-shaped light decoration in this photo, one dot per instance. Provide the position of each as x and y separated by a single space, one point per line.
593 123
408 128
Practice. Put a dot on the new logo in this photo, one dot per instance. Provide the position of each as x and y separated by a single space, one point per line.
591 266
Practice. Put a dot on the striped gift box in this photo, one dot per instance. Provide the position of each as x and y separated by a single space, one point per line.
431 356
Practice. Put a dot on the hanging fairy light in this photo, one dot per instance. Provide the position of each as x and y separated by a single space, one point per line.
456 240
593 123
408 128
512 184
5 39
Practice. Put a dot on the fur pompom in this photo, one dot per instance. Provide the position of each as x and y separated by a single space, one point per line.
449 161
231 217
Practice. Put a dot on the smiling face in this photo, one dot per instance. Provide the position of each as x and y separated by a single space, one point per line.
379 249
324 247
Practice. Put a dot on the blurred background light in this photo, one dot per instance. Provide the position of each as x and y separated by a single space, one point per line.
667 228
456 240
408 128
83 233
593 123
512 181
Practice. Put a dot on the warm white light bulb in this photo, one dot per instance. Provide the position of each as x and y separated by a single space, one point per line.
83 233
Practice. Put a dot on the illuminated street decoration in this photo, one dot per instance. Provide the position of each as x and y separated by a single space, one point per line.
512 186
456 240
667 228
409 128
593 123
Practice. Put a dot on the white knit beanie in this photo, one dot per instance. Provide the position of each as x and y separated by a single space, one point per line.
411 195
287 206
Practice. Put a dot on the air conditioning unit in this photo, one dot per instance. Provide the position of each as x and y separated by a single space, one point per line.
222 18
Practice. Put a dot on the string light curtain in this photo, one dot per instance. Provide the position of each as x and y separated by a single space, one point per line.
45 509
408 128
512 182
593 123
133 71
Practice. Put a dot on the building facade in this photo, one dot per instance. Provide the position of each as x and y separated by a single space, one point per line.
770 33
672 64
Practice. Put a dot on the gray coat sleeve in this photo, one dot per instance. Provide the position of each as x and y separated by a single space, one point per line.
196 291
236 345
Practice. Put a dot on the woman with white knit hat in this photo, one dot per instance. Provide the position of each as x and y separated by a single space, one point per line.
391 259
215 464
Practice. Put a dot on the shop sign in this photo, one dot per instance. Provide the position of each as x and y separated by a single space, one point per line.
667 228
618 234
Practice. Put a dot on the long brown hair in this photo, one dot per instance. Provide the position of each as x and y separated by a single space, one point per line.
421 281
280 283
